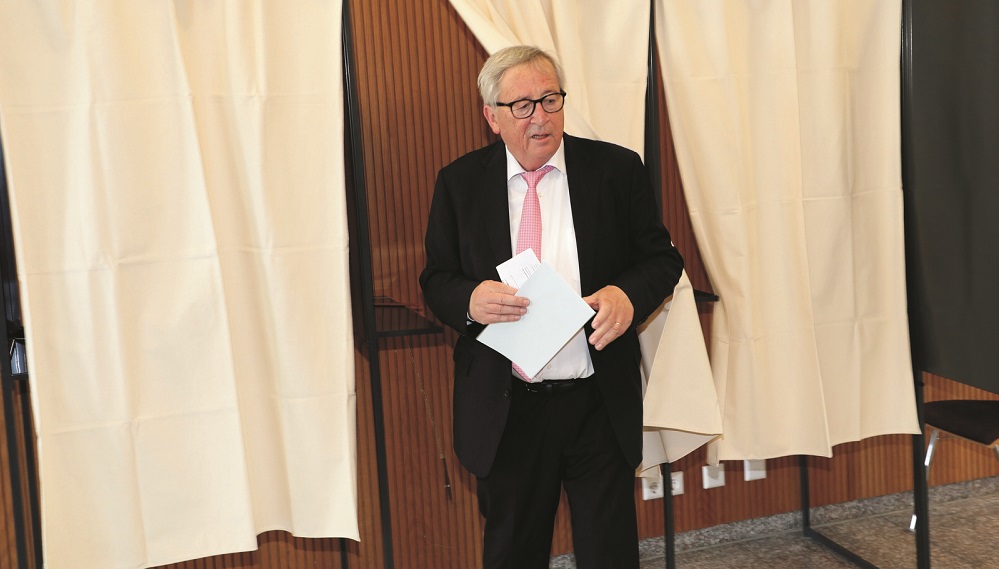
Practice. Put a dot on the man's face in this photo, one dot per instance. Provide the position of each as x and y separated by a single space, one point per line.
533 140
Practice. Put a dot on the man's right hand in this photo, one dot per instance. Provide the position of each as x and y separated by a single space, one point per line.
493 301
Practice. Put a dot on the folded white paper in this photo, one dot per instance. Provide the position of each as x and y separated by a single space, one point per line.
554 316
518 268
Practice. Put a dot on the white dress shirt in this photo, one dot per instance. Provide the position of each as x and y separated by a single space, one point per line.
558 249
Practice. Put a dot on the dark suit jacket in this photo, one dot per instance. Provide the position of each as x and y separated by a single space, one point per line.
620 241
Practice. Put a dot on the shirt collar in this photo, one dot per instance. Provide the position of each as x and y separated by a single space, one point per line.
513 168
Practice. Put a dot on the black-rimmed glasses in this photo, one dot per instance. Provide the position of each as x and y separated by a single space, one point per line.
523 108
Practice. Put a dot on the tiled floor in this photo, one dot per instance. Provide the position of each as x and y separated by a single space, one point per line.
964 523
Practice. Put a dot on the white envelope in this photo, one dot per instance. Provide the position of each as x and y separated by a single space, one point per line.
555 315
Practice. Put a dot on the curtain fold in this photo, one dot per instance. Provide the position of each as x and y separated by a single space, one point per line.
603 48
785 115
681 411
600 45
177 197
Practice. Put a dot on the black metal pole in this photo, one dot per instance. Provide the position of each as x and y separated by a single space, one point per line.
806 500
653 161
344 556
669 530
367 283
811 533
920 494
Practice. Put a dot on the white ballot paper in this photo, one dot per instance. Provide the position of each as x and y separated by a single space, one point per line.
519 268
555 315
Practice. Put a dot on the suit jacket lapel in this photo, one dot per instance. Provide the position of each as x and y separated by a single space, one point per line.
496 216
584 198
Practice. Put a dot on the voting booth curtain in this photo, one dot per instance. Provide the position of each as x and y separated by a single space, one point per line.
177 196
785 115
951 198
603 48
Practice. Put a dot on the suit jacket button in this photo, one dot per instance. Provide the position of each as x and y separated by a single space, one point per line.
506 393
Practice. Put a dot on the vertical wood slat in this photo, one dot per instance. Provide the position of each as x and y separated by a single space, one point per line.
369 515
26 436
8 534
8 545
8 553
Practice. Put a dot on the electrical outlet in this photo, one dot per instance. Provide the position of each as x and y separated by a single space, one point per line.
652 488
677 482
714 476
754 469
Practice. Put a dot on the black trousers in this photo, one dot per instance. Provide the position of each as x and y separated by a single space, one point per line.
555 440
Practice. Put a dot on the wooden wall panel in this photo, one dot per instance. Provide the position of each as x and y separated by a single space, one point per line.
434 512
8 543
8 547
369 550
419 111
417 64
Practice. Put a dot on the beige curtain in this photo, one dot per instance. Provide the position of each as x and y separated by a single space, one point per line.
606 94
177 192
681 411
603 48
785 115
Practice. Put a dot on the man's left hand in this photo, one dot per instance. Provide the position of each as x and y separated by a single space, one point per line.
614 314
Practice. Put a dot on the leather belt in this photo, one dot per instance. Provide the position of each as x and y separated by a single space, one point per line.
551 385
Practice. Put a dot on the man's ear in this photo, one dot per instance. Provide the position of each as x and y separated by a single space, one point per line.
490 114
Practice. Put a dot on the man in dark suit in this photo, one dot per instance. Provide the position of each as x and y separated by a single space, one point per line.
578 423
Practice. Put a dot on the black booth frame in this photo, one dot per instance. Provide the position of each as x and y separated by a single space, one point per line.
920 490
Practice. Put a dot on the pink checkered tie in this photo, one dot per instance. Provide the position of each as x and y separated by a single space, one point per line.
529 233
